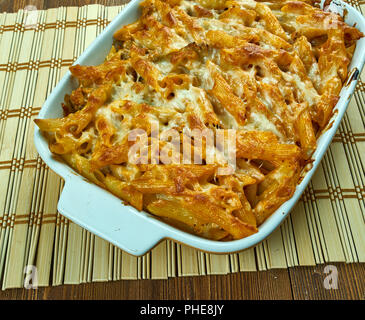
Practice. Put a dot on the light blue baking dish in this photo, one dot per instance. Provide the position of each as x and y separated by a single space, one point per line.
136 232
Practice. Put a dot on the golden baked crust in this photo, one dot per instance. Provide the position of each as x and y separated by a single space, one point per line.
263 77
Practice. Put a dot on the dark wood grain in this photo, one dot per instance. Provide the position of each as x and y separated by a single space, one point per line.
293 283
307 283
299 283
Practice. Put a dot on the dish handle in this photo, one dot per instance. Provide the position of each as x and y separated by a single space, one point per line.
96 210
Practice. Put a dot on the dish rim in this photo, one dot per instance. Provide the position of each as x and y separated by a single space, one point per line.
85 210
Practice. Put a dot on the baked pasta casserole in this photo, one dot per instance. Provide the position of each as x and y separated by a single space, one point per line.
205 112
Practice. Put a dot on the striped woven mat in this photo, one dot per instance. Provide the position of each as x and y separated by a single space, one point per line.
36 48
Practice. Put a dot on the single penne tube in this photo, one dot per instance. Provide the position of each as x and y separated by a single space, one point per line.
306 133
146 70
265 146
221 39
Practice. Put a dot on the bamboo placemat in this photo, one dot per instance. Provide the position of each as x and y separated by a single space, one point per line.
36 48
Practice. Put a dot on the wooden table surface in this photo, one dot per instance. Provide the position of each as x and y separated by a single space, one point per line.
293 283
304 283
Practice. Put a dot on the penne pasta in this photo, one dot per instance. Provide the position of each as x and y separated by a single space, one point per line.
205 112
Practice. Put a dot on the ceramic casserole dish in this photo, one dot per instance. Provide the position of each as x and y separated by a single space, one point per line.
136 232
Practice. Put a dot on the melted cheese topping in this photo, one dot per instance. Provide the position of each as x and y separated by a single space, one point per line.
256 120
181 35
268 70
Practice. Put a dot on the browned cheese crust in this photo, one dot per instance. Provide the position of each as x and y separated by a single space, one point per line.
272 71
